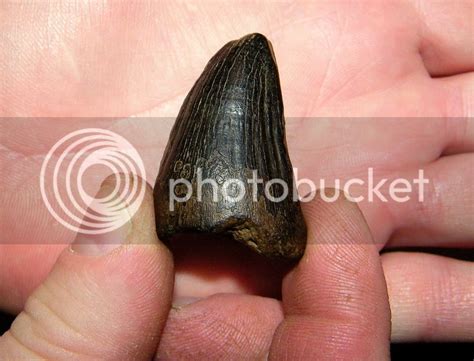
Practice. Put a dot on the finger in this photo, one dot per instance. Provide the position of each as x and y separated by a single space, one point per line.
445 32
106 298
458 90
22 269
431 297
335 301
444 215
28 249
221 327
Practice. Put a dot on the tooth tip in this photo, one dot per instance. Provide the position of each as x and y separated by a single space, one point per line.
256 40
256 37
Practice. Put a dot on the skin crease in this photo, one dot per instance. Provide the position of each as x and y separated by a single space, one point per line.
395 59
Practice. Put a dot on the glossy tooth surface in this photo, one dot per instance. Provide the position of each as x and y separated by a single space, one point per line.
231 126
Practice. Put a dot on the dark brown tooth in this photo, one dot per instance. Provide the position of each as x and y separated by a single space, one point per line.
231 123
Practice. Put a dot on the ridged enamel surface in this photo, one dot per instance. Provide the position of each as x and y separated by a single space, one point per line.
230 124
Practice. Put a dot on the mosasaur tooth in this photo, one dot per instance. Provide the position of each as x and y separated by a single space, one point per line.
229 133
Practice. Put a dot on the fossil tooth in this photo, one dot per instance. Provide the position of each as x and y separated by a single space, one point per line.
231 131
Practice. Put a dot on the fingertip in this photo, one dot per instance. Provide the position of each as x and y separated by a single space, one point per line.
110 305
338 286
332 216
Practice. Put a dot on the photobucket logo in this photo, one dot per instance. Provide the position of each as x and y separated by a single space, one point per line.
62 181
235 190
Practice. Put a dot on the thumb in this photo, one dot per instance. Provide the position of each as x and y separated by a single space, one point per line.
107 297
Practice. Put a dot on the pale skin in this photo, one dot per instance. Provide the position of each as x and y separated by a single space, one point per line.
336 59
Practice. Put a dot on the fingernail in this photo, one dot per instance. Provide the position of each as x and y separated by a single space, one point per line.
181 302
91 240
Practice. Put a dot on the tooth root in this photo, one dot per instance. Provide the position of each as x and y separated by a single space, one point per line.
230 127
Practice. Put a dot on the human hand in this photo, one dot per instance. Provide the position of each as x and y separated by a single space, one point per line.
334 304
354 64
108 297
